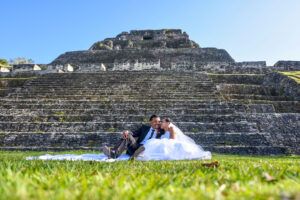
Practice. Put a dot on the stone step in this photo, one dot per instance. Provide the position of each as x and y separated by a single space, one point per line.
250 108
111 106
116 97
117 93
250 89
256 79
119 97
260 97
280 106
87 139
9 100
118 118
127 79
248 150
116 90
133 111
257 108
115 84
102 85
123 78
120 86
119 126
9 103
5 92
131 102
147 75
129 72
127 76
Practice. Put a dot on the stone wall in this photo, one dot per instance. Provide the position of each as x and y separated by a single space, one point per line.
97 61
136 65
166 56
288 65
4 69
147 39
11 83
283 128
284 84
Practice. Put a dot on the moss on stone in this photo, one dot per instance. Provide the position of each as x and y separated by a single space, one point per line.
111 129
194 130
145 121
295 75
59 113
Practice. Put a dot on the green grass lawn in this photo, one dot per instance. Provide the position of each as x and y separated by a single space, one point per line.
237 177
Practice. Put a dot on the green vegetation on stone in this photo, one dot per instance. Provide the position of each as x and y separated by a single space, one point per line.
195 130
111 129
59 113
62 119
237 177
295 75
21 60
4 63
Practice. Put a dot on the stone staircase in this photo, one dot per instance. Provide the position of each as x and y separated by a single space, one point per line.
250 89
88 110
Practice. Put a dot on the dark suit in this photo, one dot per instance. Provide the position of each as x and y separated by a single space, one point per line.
141 133
133 141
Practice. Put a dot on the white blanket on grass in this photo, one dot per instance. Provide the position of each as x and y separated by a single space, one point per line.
83 157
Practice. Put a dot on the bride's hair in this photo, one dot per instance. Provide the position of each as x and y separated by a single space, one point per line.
168 120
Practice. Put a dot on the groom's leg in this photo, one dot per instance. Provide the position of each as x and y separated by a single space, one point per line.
128 144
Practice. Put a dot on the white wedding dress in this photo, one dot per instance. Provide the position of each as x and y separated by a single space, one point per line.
180 148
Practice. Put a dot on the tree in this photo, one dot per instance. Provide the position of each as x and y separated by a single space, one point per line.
30 61
3 62
19 60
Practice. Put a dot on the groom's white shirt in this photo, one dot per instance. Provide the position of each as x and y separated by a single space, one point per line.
148 135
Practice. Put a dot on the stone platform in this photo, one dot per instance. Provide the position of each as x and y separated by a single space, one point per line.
88 110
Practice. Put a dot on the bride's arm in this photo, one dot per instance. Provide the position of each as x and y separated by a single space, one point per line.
172 133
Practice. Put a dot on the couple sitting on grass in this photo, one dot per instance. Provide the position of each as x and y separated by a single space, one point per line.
162 140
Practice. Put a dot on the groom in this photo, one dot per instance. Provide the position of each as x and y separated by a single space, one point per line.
133 142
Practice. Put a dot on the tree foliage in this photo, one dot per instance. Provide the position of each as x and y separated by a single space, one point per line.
3 62
19 60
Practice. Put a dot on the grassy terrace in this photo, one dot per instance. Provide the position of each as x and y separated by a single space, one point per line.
295 75
237 177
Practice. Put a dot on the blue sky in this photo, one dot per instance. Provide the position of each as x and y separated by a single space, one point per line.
250 30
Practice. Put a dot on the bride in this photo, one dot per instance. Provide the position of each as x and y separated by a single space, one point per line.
173 145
